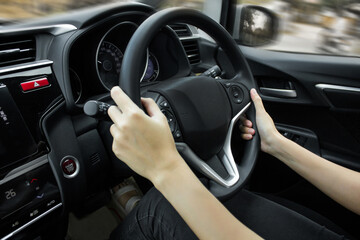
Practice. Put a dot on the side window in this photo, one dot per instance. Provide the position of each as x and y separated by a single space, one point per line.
315 26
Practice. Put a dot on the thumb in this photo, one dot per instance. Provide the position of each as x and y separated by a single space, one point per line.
151 107
257 100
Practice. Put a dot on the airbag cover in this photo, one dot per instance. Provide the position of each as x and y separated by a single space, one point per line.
203 111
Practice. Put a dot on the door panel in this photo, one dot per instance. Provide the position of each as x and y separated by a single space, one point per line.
320 93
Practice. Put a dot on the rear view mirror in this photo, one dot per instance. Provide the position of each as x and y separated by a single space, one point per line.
254 25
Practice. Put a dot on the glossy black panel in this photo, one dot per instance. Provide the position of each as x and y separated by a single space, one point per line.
31 107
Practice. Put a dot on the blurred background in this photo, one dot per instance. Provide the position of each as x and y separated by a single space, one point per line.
316 26
309 26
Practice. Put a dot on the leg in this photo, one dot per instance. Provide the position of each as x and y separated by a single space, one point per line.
155 218
273 221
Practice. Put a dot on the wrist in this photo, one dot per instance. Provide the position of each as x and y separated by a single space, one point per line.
176 166
274 144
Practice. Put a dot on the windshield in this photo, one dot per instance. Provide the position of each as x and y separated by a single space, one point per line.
19 10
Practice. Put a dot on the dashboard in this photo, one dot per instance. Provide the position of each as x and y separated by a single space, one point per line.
54 158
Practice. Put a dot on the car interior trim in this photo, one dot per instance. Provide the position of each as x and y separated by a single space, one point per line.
189 38
55 30
25 66
146 65
227 159
31 222
337 87
24 169
193 36
274 92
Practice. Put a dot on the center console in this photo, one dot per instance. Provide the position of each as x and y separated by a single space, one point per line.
28 188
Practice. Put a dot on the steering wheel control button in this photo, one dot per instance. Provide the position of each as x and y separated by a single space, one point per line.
177 134
34 84
169 114
170 119
236 94
227 85
164 104
70 166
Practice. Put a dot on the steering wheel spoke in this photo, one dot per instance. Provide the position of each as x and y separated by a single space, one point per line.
225 156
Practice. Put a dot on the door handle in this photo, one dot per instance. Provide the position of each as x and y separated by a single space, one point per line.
275 92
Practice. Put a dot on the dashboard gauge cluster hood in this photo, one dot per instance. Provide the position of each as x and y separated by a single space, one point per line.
84 17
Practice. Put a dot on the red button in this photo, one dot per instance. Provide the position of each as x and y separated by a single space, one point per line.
69 166
31 85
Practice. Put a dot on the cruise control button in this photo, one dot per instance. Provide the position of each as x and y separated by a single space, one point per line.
35 84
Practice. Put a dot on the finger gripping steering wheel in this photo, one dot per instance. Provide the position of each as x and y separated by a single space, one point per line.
206 118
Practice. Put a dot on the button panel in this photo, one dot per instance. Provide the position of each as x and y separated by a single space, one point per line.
27 197
237 95
170 116
168 112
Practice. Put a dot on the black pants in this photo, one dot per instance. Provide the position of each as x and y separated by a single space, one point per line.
155 218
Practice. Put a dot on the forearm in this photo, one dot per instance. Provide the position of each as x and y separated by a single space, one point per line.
339 183
203 213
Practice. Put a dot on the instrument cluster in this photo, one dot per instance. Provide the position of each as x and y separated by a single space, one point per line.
110 53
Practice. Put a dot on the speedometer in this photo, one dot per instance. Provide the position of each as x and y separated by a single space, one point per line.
108 65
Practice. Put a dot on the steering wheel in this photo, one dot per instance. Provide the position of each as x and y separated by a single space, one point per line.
205 109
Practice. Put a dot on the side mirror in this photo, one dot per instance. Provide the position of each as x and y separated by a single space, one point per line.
254 25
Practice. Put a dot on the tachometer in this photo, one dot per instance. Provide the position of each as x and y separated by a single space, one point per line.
108 65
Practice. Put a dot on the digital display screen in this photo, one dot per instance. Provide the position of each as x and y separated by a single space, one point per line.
16 141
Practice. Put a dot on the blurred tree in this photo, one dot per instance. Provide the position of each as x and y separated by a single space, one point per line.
85 3
295 4
338 5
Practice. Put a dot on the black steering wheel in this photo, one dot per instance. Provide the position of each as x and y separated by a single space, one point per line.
205 109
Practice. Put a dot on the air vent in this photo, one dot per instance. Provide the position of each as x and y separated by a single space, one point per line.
192 50
14 51
182 30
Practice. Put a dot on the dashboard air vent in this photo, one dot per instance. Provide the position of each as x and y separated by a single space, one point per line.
182 30
17 50
192 50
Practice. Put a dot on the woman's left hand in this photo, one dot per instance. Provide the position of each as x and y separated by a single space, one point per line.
247 132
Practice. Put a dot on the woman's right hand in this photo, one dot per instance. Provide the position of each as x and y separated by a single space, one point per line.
265 125
143 142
